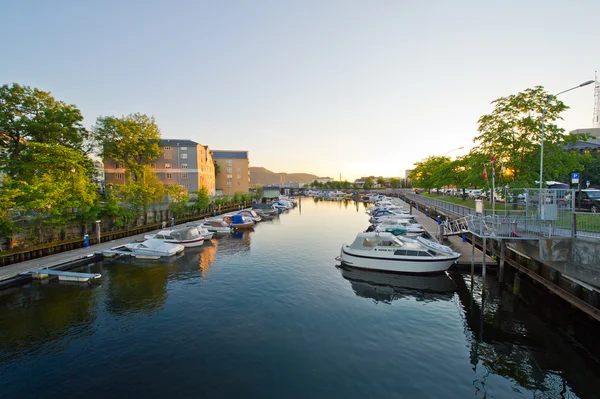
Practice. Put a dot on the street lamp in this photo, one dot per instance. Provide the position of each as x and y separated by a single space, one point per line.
542 140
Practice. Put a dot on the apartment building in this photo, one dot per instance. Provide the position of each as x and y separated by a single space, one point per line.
182 162
234 171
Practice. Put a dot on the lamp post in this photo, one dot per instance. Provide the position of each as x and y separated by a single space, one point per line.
456 149
542 140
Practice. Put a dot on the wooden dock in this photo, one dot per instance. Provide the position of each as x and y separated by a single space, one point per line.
454 242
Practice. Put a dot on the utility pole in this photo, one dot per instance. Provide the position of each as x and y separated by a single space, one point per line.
596 122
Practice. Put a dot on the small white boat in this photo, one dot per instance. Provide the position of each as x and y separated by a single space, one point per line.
251 214
386 252
207 235
399 226
217 226
188 236
153 248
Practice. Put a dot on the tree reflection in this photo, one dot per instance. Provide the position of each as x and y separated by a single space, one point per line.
37 319
137 288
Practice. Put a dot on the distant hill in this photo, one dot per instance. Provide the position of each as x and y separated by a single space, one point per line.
259 175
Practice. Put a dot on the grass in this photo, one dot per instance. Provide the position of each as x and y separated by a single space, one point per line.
470 203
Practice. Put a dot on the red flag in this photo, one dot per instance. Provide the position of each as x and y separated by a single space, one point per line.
485 172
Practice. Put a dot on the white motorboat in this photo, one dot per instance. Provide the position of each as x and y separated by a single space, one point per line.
387 217
251 214
240 222
188 236
217 226
386 252
153 248
399 226
207 235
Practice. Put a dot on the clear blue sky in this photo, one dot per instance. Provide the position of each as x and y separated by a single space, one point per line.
324 87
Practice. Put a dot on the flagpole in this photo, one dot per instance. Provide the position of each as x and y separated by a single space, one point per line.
493 185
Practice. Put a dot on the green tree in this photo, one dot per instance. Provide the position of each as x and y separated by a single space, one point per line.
381 182
428 173
368 184
395 183
202 199
512 134
217 168
131 140
32 115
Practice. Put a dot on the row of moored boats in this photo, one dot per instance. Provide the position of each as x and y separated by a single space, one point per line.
169 242
396 242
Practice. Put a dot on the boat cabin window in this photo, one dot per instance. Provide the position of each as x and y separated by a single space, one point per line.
370 242
400 252
432 253
412 253
423 253
160 237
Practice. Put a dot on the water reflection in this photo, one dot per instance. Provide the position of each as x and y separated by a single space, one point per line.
136 287
45 318
386 287
507 339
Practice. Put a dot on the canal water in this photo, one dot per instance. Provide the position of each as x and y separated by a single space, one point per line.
268 314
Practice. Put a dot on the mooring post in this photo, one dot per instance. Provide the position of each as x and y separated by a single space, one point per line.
472 255
501 266
517 284
484 251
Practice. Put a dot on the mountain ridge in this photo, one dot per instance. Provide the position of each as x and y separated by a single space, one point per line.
261 175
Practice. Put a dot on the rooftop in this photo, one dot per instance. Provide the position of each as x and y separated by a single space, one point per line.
177 143
227 154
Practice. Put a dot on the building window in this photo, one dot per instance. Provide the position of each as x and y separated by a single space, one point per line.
228 184
183 148
229 177
185 186
167 166
184 156
167 155
169 175
229 170
229 162
119 175
167 148
184 166
239 176
117 165
153 165
184 176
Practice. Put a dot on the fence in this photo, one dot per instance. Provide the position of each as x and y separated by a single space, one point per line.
535 214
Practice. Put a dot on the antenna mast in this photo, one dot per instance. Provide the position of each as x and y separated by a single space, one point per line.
596 102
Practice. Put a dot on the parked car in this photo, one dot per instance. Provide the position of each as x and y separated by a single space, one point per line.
590 200
475 194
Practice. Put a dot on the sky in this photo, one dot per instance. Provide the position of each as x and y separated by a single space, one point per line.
328 87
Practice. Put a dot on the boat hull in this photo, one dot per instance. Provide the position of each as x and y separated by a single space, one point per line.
411 265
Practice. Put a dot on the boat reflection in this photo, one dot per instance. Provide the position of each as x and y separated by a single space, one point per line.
386 287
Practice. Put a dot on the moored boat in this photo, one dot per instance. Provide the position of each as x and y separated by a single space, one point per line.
217 226
240 222
187 236
153 248
251 214
386 252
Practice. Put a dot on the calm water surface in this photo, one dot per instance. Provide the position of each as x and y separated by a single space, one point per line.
267 314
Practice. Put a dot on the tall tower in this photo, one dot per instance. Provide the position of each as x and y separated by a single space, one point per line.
596 103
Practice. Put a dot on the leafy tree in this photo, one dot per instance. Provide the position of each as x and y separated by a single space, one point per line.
131 140
346 185
368 184
32 115
259 192
217 168
427 173
202 199
512 133
381 182
395 183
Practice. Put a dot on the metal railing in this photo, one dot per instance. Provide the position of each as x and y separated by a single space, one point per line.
527 222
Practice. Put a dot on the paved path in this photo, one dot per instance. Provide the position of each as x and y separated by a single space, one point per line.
454 242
